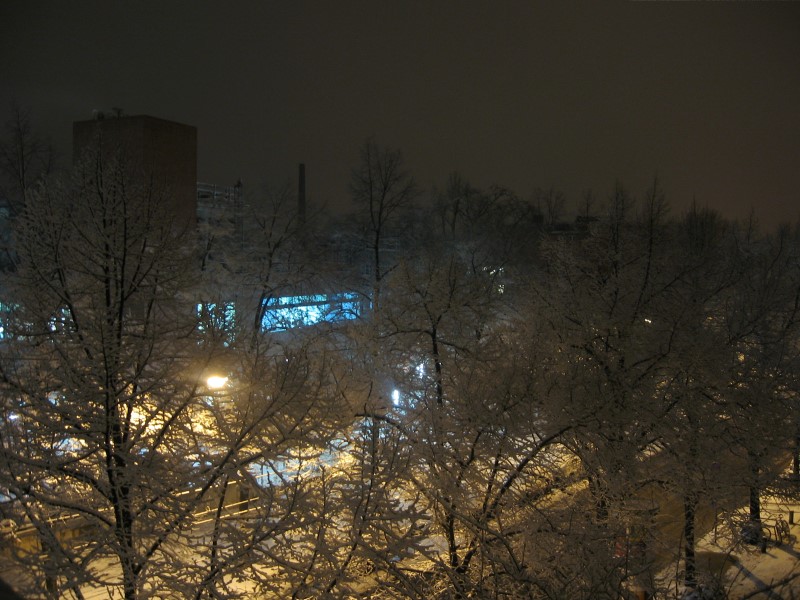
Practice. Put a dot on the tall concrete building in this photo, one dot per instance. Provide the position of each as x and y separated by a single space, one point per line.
162 152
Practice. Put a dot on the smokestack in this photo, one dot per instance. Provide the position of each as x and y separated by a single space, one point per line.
301 195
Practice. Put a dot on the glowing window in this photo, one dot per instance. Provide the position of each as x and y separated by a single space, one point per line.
217 317
290 312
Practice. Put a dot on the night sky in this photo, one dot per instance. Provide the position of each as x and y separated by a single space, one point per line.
570 95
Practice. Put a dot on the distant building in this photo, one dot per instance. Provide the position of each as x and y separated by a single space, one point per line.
157 150
165 153
221 207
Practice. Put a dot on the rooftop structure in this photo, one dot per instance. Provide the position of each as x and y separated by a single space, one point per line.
159 151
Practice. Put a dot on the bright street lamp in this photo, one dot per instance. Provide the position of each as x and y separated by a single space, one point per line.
216 382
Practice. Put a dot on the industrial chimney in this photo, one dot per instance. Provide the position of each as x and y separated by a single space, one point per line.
301 195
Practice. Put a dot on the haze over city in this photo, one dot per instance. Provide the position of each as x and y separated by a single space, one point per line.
571 96
400 301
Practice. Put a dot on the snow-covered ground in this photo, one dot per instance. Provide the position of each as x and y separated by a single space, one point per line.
769 575
747 571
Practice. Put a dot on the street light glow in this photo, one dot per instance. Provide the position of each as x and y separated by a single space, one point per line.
216 382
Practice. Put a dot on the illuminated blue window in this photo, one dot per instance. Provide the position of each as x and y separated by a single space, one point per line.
61 321
217 317
291 312
5 311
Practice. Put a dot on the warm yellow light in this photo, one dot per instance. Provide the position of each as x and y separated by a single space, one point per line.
216 382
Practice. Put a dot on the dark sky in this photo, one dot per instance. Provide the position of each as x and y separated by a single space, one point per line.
526 94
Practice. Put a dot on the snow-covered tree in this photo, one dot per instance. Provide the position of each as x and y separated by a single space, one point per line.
458 385
383 192
25 157
118 453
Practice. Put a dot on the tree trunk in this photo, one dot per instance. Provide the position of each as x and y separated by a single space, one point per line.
689 514
796 458
600 503
755 505
755 491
